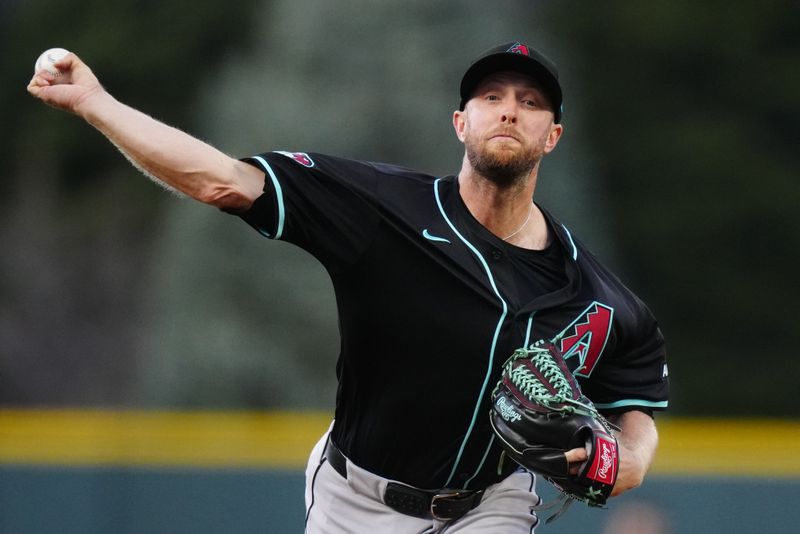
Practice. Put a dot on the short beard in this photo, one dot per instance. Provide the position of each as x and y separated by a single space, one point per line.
503 168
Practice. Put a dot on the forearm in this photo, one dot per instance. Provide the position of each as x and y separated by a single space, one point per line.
638 441
173 157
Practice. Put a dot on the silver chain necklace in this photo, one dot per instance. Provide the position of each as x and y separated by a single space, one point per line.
518 230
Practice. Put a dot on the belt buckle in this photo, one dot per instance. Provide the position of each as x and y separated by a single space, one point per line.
452 505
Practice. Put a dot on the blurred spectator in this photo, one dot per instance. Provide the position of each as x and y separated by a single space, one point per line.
637 517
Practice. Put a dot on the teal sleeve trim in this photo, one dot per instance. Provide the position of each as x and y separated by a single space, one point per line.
571 242
631 402
278 197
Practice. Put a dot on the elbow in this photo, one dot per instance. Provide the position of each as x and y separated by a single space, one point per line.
235 189
225 197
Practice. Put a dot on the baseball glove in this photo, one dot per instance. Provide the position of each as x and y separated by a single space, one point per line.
539 413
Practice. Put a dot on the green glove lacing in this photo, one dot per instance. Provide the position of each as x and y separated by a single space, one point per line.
530 386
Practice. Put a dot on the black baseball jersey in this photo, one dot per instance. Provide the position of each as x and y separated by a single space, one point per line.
430 306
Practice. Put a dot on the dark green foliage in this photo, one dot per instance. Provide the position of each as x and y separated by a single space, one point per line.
77 223
694 110
690 112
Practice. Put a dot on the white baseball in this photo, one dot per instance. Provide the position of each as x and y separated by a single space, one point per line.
48 58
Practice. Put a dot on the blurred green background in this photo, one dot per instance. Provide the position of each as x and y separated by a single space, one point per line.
679 168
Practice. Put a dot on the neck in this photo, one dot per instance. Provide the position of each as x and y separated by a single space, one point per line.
505 210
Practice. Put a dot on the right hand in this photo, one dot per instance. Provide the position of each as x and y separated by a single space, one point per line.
68 90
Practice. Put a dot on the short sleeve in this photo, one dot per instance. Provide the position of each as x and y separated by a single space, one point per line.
323 204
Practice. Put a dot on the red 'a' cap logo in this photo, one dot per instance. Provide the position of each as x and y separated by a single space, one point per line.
519 48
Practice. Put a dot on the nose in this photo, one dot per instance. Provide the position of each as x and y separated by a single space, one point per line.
509 116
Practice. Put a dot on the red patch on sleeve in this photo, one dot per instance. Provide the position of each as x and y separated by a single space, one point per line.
300 157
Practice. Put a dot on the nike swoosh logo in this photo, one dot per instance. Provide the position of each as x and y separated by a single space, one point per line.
427 235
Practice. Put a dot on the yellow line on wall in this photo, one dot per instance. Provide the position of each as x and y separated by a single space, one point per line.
283 440
709 447
134 438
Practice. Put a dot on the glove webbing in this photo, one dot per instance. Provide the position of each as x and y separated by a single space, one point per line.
530 385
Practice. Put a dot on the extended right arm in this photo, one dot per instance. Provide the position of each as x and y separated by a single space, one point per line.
166 154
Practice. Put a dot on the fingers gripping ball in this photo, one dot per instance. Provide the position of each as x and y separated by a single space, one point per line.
539 412
48 59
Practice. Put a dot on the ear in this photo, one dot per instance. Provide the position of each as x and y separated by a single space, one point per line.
459 124
552 138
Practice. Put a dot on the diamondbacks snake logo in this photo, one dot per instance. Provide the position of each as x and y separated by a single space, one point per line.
587 336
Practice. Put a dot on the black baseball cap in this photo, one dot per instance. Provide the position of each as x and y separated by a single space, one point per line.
517 57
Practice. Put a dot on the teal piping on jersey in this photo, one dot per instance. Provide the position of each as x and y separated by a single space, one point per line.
491 441
483 461
528 331
631 402
278 197
571 242
496 330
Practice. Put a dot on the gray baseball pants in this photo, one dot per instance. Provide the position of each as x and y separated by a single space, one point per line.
335 505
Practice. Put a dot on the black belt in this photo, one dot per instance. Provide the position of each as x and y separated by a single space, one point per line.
444 505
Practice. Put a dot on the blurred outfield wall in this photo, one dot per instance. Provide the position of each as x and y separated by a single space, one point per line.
125 472
661 172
